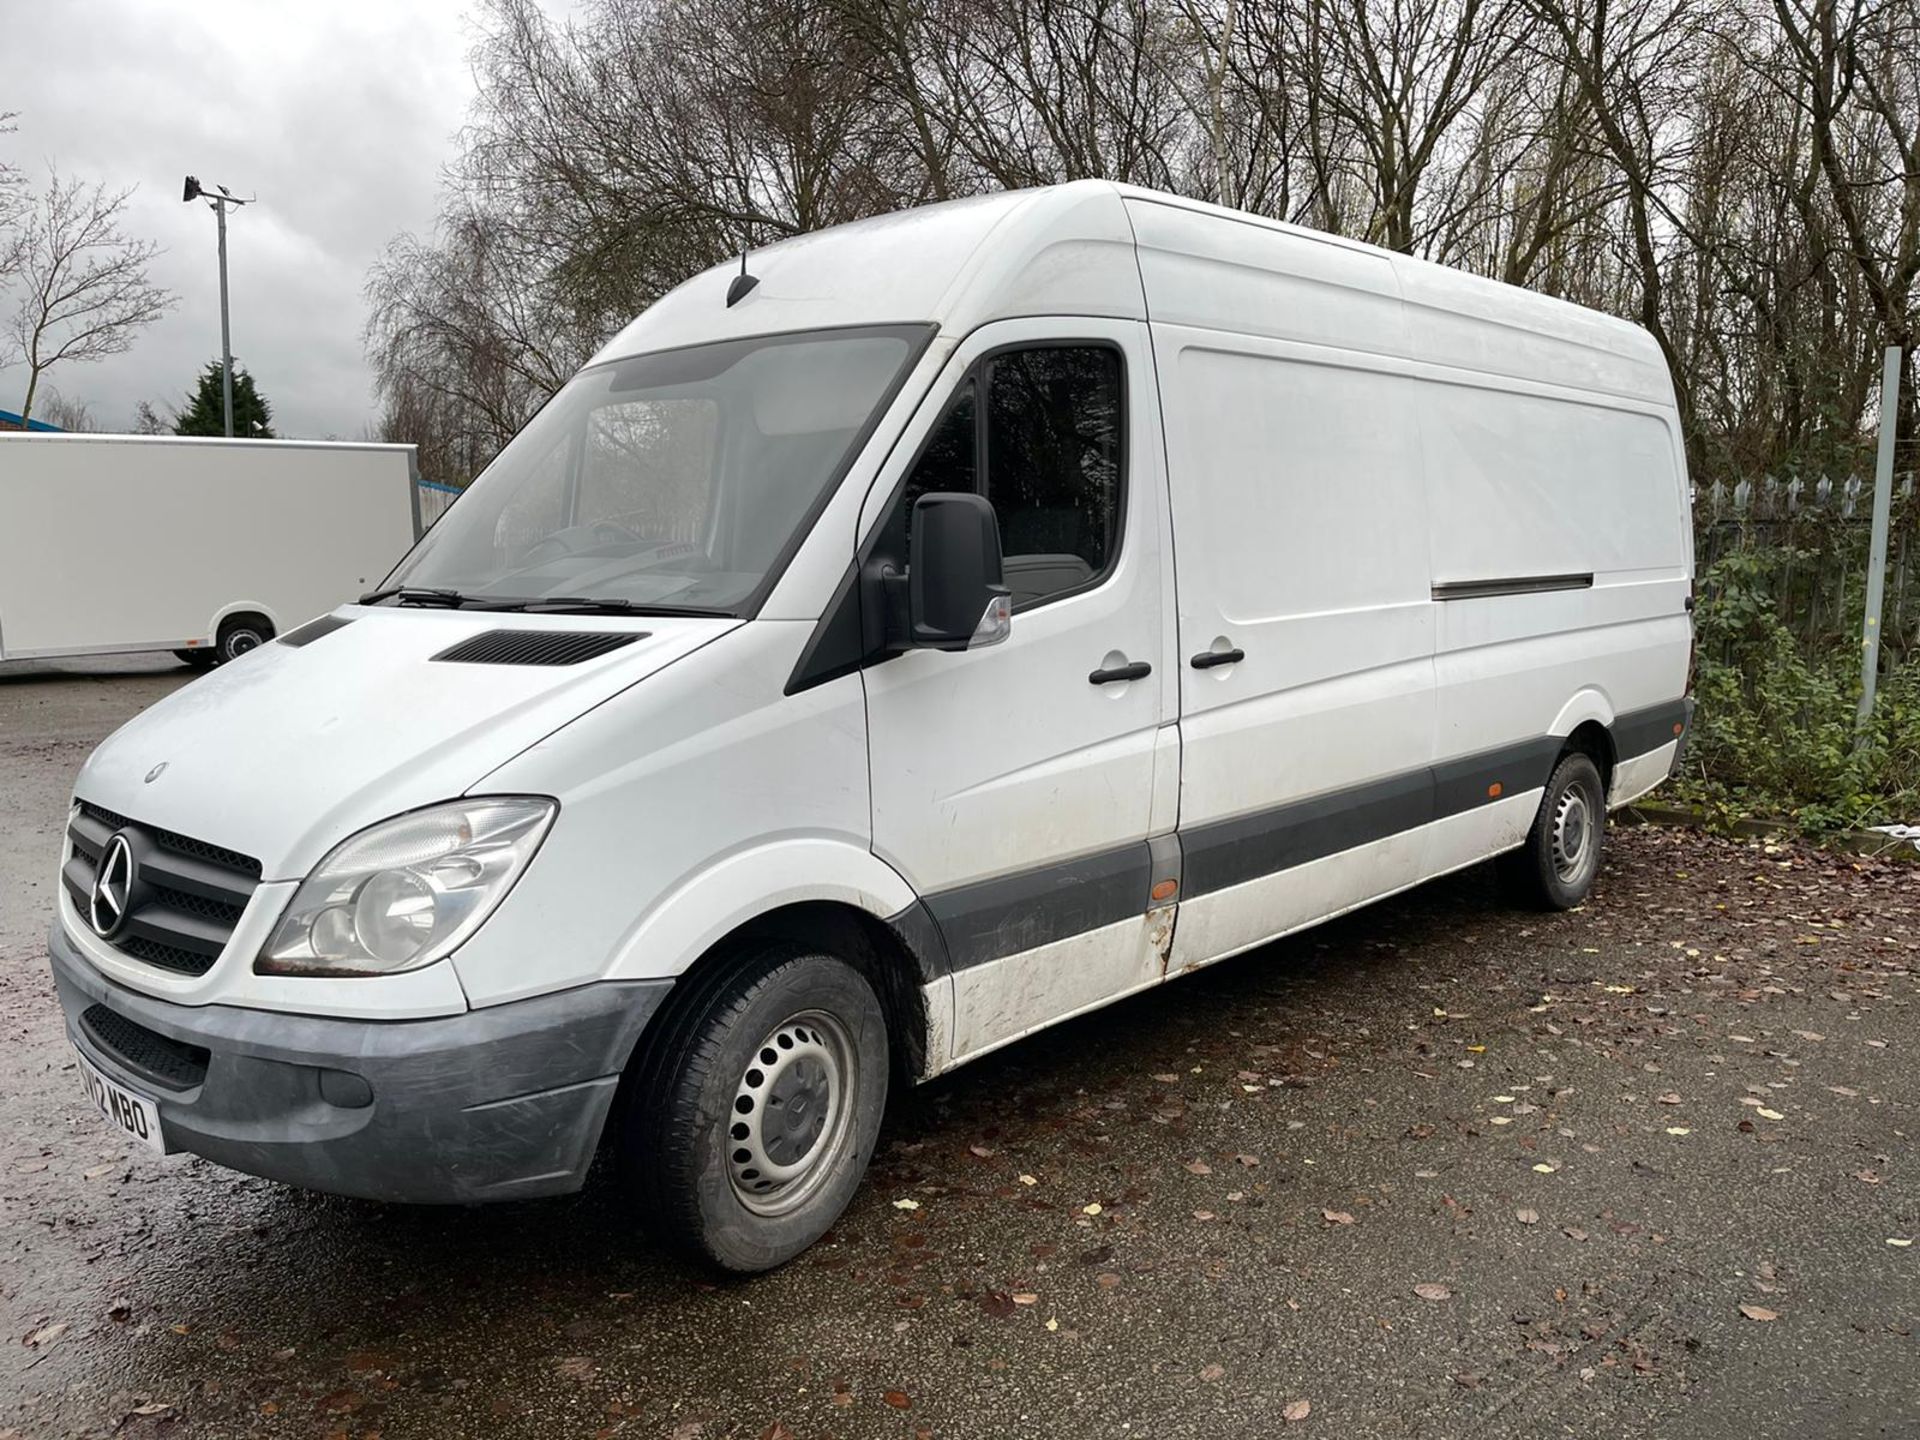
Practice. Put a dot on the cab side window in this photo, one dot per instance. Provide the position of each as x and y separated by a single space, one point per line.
1053 426
1039 433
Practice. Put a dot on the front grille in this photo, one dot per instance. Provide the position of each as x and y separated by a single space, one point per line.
165 957
536 647
187 896
179 844
171 1064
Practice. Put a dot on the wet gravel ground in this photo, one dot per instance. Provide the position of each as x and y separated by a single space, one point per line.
1437 1169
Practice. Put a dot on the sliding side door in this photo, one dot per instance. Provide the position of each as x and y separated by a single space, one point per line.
1300 543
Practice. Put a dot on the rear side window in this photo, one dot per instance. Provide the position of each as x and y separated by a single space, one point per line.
1039 432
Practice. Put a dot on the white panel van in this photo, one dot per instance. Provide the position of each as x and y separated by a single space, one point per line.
969 617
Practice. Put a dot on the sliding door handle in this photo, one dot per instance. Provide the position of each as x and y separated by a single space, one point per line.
1207 659
1138 670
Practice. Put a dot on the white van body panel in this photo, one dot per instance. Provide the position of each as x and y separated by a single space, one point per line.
687 809
361 724
1067 250
122 543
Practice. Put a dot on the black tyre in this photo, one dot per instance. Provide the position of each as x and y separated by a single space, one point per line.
756 1107
1556 867
204 658
241 634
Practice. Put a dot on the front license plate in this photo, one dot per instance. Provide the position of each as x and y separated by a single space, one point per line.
135 1114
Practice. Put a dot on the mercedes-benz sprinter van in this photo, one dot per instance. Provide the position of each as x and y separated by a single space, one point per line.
968 618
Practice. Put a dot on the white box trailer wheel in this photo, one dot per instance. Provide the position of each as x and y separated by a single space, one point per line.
112 543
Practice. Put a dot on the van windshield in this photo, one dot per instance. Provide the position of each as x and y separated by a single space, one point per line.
681 480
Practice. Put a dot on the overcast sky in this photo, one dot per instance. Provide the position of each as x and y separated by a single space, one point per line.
339 115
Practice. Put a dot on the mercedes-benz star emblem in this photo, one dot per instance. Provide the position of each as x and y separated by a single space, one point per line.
112 886
155 773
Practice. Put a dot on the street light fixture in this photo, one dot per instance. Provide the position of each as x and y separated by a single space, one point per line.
190 192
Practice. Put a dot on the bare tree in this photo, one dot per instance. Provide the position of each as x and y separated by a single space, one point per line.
13 204
84 281
69 415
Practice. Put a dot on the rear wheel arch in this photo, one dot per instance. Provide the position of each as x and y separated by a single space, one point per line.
1595 741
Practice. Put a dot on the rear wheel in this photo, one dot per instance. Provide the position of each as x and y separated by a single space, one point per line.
756 1107
1555 868
240 634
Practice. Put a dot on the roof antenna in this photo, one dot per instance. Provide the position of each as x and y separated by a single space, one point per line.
742 284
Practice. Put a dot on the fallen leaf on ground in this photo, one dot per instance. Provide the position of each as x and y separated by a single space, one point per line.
1431 1290
1337 1217
906 1204
1296 1411
1758 1312
1766 1114
1026 1297
898 1399
1093 1209
1199 1167
1527 1217
1213 1372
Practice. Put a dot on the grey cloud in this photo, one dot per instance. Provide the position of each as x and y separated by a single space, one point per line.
339 116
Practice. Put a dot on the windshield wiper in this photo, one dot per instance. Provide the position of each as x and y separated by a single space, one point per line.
416 595
587 605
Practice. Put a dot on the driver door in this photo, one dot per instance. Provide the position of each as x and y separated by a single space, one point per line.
1015 786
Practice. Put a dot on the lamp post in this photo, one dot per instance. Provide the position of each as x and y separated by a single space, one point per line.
189 193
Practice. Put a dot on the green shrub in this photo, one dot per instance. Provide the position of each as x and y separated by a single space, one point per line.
1775 735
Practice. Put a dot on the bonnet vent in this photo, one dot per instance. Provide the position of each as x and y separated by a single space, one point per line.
311 631
537 647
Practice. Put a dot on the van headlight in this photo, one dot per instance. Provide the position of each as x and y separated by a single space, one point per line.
406 892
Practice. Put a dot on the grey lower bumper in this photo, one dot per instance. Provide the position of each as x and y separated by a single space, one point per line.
495 1104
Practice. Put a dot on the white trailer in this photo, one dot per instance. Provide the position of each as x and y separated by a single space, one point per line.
207 548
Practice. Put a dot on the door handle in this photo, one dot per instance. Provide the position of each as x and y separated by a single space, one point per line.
1138 670
1207 659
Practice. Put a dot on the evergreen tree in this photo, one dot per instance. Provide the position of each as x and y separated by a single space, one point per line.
201 415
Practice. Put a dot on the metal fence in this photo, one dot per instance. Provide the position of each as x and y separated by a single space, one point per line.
1819 530
434 500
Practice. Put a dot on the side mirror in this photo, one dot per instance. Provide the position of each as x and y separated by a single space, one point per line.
956 598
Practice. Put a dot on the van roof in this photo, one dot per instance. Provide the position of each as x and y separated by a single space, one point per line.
1070 250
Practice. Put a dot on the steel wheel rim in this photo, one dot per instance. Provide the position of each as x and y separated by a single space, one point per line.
792 1112
1574 834
241 643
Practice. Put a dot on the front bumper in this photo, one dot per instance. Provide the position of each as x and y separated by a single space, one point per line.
495 1104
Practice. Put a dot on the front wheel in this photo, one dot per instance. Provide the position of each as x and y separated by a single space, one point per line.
756 1108
1556 866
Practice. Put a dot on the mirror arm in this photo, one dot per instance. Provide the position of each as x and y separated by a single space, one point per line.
884 622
